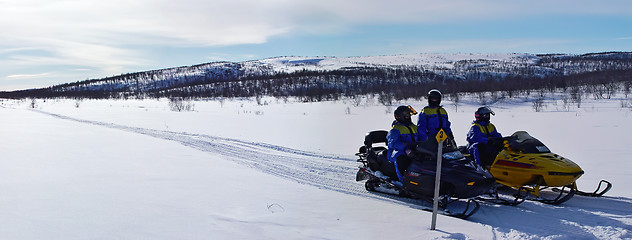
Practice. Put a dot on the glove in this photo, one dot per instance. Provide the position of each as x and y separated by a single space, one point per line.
496 143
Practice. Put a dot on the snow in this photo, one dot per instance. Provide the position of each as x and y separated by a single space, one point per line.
426 60
235 169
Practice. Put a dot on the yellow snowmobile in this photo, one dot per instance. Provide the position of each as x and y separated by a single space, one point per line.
526 164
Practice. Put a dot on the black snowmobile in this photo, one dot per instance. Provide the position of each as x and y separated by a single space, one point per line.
460 177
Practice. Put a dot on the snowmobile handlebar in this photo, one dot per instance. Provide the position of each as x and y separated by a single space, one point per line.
430 146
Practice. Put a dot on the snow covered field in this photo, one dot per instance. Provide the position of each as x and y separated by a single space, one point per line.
234 169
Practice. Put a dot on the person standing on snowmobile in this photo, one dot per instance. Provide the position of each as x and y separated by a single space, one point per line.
483 138
401 139
434 117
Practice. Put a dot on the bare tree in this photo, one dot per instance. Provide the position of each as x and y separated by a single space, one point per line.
610 89
576 95
356 100
33 103
626 88
386 98
482 98
179 104
456 99
566 103
539 104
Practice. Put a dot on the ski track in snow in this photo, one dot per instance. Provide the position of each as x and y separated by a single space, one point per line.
579 218
324 171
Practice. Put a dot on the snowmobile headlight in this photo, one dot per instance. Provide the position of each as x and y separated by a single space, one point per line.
453 155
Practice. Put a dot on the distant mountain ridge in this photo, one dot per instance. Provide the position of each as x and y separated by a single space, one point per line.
334 76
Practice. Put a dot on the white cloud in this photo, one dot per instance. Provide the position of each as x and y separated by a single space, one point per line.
27 76
117 23
228 22
109 35
100 33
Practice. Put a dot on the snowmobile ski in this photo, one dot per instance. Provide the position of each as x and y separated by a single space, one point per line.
518 197
471 207
536 193
447 206
598 192
563 196
530 193
603 187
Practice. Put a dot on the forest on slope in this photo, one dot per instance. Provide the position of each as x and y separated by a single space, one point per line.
600 74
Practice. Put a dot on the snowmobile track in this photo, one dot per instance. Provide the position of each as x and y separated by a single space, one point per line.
320 170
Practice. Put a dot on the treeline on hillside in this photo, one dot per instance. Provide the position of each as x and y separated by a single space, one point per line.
330 85
390 83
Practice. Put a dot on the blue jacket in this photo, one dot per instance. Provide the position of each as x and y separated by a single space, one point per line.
401 137
431 119
480 132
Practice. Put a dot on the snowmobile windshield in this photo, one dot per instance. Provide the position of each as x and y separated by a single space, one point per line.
453 155
525 143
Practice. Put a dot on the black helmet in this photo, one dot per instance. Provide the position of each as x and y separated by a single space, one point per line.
434 98
482 114
402 114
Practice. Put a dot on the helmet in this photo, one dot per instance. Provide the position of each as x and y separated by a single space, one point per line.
402 114
482 114
434 98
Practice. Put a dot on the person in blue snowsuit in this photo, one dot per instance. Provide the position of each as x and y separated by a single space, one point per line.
483 139
401 140
434 117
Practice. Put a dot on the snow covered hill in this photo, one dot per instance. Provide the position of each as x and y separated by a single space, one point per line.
114 169
427 61
329 77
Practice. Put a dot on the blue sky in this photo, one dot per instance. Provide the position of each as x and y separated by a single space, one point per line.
48 42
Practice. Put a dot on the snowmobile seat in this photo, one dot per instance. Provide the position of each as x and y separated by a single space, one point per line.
384 165
377 156
378 136
374 137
